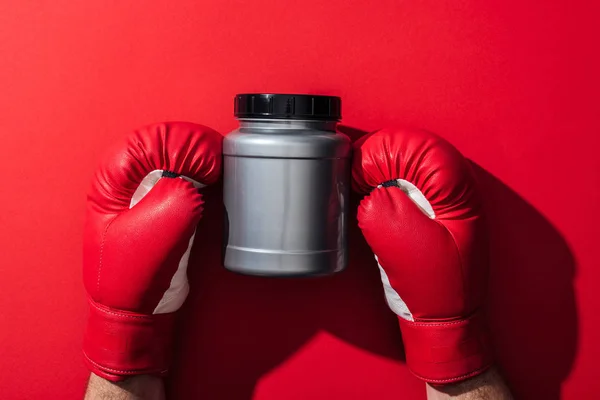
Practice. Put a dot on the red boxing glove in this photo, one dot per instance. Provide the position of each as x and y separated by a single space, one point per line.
142 212
423 220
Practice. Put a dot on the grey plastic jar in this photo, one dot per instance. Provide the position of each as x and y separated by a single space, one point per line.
286 186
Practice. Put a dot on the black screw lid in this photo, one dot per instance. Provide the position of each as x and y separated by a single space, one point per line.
288 106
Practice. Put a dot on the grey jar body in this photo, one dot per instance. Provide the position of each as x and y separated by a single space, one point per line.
286 195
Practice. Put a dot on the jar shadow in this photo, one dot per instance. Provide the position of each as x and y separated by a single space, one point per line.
234 330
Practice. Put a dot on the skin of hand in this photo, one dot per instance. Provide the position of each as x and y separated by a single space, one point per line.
141 387
487 386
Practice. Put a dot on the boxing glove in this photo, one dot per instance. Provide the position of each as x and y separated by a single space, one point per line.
422 218
142 210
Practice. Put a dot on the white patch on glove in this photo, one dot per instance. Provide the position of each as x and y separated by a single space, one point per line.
416 196
179 288
394 301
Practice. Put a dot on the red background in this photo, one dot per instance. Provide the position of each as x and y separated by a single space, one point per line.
514 85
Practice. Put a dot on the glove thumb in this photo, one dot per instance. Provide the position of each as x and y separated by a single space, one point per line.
397 208
161 245
167 197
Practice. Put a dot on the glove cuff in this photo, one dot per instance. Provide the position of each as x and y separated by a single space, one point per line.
118 344
446 351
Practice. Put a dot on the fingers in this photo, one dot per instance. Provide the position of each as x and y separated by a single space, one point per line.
187 149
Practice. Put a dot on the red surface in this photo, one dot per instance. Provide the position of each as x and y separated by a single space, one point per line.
514 85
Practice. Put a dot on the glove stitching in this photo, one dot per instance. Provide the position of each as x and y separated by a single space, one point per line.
462 321
102 256
100 261
467 375
125 371
460 259
124 315
439 324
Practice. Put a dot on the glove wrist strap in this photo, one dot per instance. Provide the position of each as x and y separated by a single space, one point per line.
118 344
446 351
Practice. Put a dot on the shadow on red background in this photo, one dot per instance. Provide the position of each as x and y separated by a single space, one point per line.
236 329
533 315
